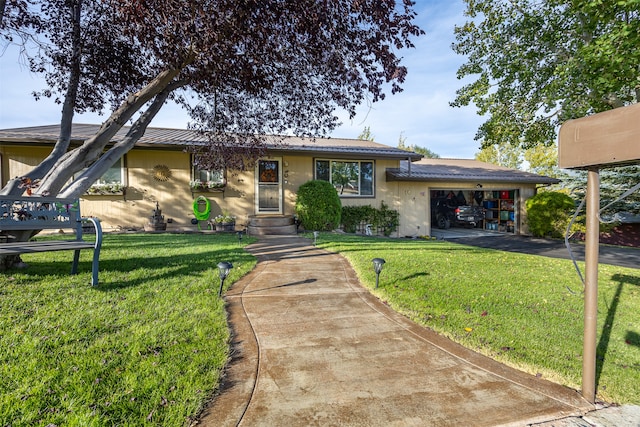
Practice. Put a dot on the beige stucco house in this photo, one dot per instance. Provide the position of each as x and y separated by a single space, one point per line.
159 171
500 191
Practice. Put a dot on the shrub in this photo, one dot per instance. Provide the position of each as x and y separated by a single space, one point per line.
355 216
549 213
384 220
318 205
387 220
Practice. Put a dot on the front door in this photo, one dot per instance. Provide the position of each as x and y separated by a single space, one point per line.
269 186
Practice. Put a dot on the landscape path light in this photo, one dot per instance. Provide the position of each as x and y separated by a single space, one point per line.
240 236
377 267
224 268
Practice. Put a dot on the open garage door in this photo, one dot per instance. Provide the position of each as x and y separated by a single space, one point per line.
486 210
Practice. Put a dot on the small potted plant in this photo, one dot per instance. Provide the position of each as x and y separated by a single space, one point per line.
225 222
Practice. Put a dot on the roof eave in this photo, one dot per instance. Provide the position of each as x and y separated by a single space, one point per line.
396 176
47 135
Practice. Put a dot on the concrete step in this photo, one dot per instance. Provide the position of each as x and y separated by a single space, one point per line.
261 225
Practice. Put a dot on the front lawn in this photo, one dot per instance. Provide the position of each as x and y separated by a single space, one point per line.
147 346
523 310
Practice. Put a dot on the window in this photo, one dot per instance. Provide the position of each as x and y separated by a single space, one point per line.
112 176
208 180
111 182
209 176
350 177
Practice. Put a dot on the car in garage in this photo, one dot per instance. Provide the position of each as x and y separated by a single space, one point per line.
447 212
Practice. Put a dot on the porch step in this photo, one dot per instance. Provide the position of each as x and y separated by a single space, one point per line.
261 225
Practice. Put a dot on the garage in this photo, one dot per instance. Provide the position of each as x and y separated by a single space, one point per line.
492 210
463 194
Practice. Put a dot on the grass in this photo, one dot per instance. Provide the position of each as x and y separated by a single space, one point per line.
147 346
523 310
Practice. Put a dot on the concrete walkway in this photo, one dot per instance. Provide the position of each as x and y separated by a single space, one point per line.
312 347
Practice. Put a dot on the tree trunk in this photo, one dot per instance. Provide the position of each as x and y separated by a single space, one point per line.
83 156
88 177
13 187
10 261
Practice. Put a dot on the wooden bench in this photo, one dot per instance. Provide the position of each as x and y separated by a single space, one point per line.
47 213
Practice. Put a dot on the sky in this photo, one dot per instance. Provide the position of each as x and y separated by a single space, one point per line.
421 114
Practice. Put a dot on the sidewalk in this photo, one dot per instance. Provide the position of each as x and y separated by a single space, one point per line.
312 347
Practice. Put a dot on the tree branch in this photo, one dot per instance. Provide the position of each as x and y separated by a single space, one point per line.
81 157
82 183
64 138
3 3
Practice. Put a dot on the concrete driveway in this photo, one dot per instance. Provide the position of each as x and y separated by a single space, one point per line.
312 347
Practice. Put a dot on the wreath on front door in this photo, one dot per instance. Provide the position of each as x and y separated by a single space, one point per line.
268 175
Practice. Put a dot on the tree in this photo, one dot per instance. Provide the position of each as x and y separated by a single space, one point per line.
416 149
424 151
501 154
614 182
537 63
543 160
366 134
252 68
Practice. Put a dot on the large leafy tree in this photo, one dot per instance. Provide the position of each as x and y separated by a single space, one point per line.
543 160
536 63
416 149
501 154
540 159
240 67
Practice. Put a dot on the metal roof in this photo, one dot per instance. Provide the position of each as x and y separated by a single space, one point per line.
167 138
440 170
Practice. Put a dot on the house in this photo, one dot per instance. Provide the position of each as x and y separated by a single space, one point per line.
159 172
501 192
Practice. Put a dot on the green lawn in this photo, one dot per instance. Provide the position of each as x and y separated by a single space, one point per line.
145 347
523 310
149 344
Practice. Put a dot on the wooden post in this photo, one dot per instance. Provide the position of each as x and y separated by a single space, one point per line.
601 140
591 286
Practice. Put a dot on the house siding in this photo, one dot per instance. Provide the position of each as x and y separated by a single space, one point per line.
414 209
134 208
18 161
401 187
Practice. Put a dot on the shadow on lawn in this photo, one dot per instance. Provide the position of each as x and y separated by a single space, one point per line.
123 254
632 338
402 244
187 265
414 276
605 336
